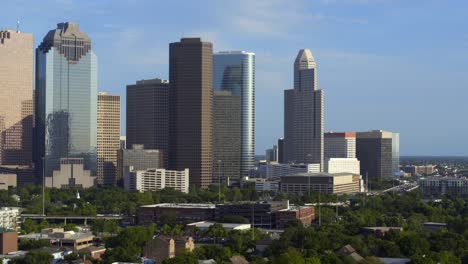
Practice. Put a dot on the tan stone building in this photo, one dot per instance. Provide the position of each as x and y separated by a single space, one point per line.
71 175
163 247
16 97
108 137
330 183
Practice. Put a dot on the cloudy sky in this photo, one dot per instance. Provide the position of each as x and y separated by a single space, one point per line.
397 65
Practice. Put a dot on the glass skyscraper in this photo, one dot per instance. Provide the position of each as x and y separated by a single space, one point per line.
234 71
66 99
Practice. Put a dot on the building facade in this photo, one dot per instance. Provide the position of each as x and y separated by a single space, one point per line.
396 154
156 179
191 102
280 151
234 71
71 174
66 99
330 183
16 97
339 165
148 115
138 158
226 136
273 170
304 114
108 138
340 145
374 151
440 186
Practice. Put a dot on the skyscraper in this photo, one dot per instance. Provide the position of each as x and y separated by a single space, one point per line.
16 95
234 71
339 145
396 154
66 99
374 151
191 102
108 137
148 115
226 136
280 150
303 114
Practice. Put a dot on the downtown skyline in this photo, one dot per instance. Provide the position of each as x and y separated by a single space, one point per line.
381 91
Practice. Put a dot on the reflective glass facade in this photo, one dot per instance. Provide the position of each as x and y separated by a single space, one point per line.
234 71
66 99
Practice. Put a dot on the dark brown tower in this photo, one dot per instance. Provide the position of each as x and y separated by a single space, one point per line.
148 115
191 99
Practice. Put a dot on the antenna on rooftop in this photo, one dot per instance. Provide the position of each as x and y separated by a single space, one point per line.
17 25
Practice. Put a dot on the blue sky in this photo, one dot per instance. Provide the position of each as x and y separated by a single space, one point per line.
383 64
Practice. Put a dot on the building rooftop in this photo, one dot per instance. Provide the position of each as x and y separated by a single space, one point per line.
234 52
321 174
229 226
181 205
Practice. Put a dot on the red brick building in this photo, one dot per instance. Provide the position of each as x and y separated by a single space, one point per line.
304 214
184 213
8 242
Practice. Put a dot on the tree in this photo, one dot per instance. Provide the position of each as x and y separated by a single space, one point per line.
182 258
28 226
70 227
290 256
34 257
216 231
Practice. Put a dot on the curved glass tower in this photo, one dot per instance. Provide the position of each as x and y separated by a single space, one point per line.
66 99
234 71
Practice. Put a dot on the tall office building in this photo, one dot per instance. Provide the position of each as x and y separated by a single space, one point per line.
226 136
148 115
374 151
16 95
66 99
303 114
108 138
191 102
396 154
234 71
280 151
137 158
339 145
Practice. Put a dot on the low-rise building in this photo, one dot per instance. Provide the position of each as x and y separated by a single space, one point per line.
72 174
258 214
261 184
7 181
274 170
439 186
305 214
9 218
61 238
419 170
381 231
331 183
8 241
433 226
156 179
205 225
340 165
163 247
24 174
183 212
